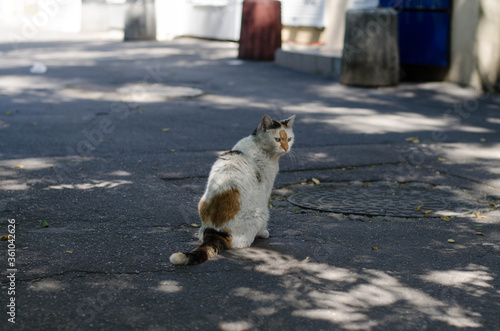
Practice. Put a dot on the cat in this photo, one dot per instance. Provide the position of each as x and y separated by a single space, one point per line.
234 207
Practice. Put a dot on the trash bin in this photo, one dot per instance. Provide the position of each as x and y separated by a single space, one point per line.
424 37
140 20
260 30
424 31
370 56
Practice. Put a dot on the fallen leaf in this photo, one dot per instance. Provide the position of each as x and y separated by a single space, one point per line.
80 169
373 166
483 140
315 181
441 159
480 233
451 241
45 224
69 252
374 248
4 238
478 225
172 150
19 166
478 215
9 112
492 204
445 218
194 225
165 129
427 212
413 139
419 208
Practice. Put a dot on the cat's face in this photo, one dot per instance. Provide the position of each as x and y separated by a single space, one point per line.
276 137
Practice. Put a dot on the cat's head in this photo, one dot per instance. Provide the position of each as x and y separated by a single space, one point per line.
276 137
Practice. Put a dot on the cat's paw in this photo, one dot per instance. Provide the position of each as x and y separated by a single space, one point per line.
263 234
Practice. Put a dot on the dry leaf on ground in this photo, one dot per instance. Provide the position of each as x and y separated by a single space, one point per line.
414 140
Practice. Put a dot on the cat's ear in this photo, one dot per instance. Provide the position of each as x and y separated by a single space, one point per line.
289 121
266 123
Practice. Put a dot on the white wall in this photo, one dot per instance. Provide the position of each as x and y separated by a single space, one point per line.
218 19
34 16
475 43
335 23
306 13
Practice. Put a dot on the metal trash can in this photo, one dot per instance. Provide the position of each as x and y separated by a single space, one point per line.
260 30
424 37
424 30
140 20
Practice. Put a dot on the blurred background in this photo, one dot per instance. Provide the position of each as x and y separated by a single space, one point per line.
439 40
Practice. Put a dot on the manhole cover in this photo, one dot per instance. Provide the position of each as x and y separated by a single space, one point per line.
157 92
387 201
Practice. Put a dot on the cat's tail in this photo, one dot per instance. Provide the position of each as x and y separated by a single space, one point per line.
213 243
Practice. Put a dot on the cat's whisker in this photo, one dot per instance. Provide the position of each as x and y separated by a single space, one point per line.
292 155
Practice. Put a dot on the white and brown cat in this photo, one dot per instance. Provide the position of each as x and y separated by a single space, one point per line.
234 208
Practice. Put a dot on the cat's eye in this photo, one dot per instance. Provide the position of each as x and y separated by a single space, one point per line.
277 140
289 139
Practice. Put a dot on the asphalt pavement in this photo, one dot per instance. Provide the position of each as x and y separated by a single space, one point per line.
103 159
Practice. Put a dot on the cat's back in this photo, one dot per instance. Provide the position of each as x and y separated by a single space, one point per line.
230 164
236 167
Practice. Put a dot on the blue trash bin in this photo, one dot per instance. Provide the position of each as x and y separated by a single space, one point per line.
424 36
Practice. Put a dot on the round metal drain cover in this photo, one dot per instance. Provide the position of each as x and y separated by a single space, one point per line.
157 92
387 201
